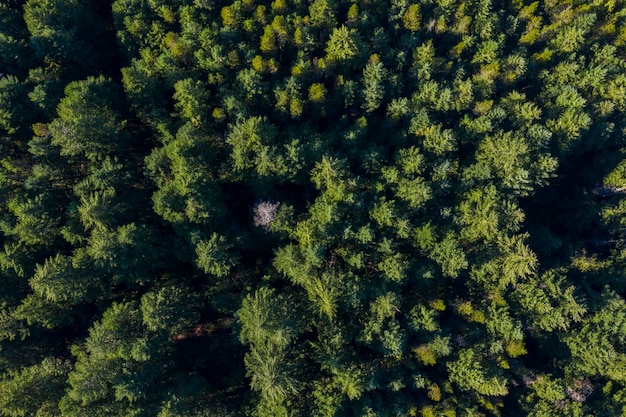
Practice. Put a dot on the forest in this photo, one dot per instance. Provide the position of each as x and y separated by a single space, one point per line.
325 208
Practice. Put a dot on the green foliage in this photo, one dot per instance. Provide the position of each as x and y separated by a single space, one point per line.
269 341
449 256
324 208
599 342
88 124
191 98
94 382
343 45
213 256
468 374
60 28
61 279
249 139
374 91
170 309
45 384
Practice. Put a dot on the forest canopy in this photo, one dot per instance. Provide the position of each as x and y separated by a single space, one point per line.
312 208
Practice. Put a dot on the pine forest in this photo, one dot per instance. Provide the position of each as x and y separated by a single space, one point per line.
325 208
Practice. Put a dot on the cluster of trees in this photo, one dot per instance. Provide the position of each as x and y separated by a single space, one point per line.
312 208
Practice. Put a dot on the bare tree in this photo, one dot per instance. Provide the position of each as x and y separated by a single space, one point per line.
264 213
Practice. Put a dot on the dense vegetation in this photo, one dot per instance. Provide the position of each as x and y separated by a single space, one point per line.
312 208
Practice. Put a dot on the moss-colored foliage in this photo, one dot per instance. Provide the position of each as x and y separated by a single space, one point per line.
323 208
